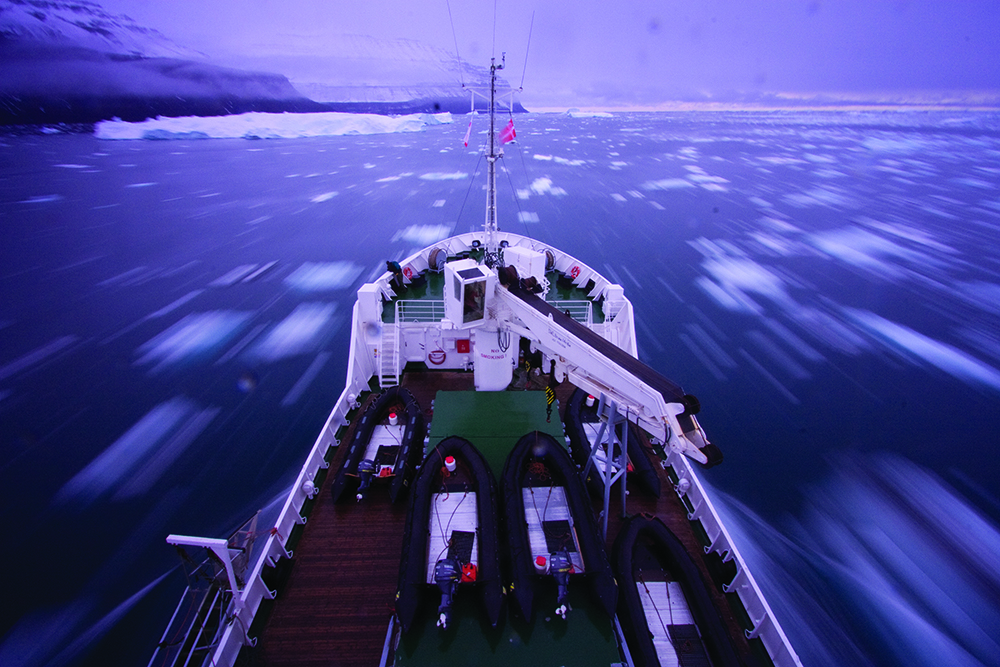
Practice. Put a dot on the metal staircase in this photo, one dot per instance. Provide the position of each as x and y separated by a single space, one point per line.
388 375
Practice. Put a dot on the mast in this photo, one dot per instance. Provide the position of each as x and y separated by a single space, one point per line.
492 251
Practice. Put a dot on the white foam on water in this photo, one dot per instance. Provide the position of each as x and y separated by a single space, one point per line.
325 196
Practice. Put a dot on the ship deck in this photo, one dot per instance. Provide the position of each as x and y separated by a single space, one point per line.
335 603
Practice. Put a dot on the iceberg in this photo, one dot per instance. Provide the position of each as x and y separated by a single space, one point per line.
259 125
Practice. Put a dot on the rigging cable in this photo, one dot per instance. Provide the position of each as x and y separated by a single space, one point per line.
454 36
532 25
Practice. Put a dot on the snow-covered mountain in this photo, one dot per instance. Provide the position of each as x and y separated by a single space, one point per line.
74 62
83 24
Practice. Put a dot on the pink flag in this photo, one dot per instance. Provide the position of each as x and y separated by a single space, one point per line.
508 133
468 133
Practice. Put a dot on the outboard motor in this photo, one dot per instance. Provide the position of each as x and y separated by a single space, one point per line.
447 574
560 566
366 470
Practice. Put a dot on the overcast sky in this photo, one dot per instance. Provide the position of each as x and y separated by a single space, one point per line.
594 52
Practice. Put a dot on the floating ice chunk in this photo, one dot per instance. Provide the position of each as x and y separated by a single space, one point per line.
257 125
780 160
617 197
782 389
527 216
36 356
945 357
233 276
543 186
157 440
560 160
389 179
868 251
422 235
827 329
729 299
821 196
140 185
746 275
196 334
323 276
439 176
73 166
295 393
174 305
884 145
326 196
667 184
301 332
576 113
41 199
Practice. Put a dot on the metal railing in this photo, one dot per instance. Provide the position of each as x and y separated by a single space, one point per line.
581 311
422 310
765 625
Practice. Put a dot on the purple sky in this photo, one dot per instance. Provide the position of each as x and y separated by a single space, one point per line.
595 52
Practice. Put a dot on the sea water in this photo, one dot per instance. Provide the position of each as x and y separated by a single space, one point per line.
175 317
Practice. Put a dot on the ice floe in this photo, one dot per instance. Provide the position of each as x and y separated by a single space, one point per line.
301 332
130 465
323 276
440 176
668 184
258 125
912 343
195 335
422 235
543 186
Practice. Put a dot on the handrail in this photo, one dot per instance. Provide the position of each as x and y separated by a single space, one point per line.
582 311
419 310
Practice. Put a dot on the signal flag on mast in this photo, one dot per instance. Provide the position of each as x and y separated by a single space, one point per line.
507 133
468 133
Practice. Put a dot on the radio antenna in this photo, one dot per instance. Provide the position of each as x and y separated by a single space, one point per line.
494 52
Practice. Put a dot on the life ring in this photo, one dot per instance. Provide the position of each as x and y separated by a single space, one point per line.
575 272
437 357
408 272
